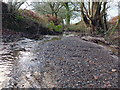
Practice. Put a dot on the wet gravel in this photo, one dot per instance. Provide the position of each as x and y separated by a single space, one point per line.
66 63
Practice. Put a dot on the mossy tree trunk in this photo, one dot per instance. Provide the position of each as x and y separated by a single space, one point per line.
68 13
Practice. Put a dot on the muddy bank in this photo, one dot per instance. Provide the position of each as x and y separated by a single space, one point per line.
16 25
9 35
69 62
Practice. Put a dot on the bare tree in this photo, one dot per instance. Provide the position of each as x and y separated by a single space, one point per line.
52 8
14 5
94 15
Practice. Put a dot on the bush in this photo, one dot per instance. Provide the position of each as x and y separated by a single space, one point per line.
58 28
53 27
19 17
33 16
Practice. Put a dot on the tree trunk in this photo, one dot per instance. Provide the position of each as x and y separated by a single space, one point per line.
68 16
105 21
93 16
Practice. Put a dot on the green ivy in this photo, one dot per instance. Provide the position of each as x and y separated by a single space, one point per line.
53 27
58 28
19 17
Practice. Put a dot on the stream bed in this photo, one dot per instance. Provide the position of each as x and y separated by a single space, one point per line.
22 63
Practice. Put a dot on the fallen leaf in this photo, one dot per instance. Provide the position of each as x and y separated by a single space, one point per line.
61 58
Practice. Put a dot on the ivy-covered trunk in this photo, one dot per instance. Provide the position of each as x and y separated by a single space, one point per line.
68 14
